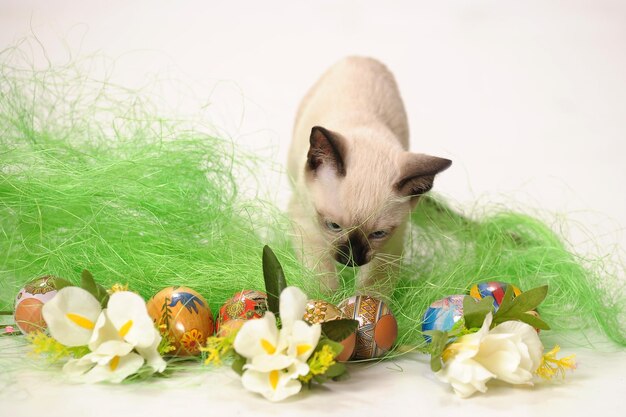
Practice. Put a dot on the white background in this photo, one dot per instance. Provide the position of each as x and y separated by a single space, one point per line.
528 98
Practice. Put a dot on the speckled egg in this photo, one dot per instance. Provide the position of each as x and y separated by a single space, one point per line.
443 314
244 305
495 289
182 316
319 311
378 329
30 300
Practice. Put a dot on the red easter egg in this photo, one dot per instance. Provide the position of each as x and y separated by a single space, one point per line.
244 305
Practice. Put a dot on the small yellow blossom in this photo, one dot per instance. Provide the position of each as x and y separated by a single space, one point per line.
217 348
551 366
320 362
45 346
117 287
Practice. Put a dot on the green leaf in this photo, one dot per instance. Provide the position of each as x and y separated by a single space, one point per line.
506 303
474 312
89 285
438 343
339 330
536 322
335 346
335 370
435 363
238 364
528 300
274 277
60 283
516 308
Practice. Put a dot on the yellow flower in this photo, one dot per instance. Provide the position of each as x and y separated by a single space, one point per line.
320 362
117 287
48 347
217 348
551 366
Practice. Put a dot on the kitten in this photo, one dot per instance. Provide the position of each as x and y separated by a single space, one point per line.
354 181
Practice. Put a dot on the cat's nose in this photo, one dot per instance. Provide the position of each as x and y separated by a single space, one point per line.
352 256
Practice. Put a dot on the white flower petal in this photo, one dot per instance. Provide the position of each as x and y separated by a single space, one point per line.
152 356
303 339
108 350
103 331
466 377
116 370
292 306
128 313
510 352
258 337
71 316
267 363
529 338
275 385
76 367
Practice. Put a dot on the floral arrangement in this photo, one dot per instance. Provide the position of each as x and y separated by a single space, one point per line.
489 343
107 344
109 336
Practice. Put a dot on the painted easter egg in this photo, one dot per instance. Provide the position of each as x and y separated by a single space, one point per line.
443 314
378 329
30 300
182 316
244 305
495 289
319 311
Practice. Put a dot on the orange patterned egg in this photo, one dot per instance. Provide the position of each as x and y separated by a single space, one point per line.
183 317
378 329
30 300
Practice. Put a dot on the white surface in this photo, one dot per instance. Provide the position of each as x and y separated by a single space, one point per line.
406 385
528 98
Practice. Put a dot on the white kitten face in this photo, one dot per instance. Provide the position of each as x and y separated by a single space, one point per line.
363 194
359 211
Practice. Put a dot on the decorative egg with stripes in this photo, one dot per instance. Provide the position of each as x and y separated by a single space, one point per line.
377 330
443 314
495 289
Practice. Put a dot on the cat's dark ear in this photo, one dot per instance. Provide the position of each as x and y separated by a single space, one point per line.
326 149
417 173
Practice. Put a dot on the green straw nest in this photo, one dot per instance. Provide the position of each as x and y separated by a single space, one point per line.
91 176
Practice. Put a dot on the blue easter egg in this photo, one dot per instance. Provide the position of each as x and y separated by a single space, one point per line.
443 314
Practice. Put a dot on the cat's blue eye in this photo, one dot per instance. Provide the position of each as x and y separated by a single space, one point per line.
379 234
333 226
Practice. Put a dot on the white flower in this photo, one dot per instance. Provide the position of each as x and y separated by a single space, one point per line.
510 352
71 316
113 361
275 385
276 358
121 337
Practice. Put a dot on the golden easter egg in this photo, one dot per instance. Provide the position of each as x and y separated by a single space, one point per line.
30 300
183 317
319 311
